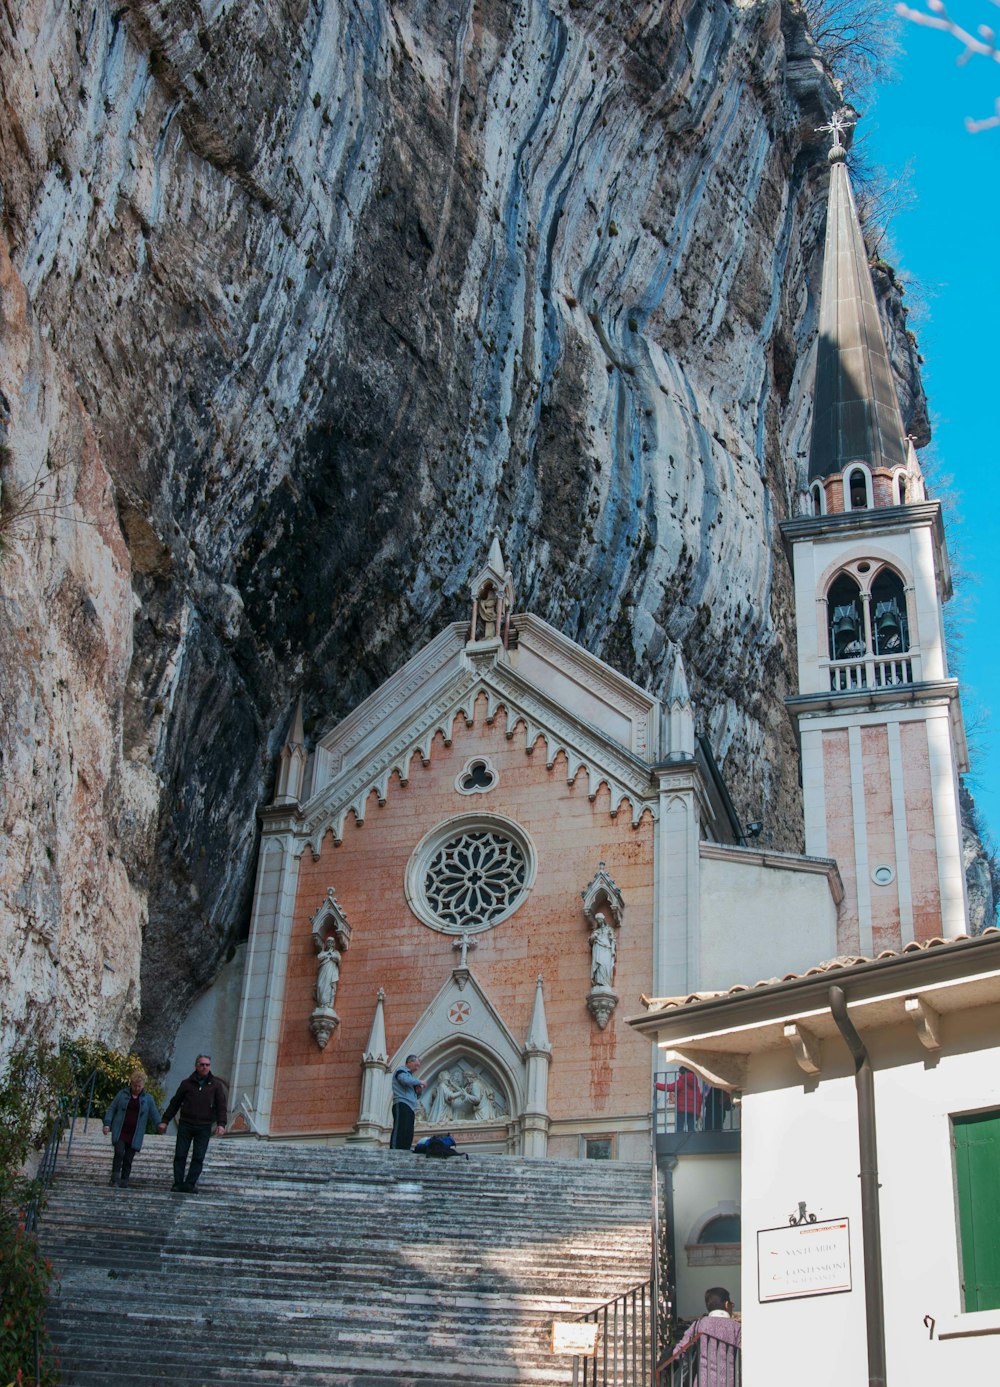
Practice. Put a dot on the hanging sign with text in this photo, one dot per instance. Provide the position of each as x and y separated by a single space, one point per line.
575 1338
804 1259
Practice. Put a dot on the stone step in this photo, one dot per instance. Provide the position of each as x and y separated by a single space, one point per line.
329 1266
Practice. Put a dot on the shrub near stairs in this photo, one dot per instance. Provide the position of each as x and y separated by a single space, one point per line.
32 1078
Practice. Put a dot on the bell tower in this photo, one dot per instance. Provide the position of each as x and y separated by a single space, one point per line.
879 719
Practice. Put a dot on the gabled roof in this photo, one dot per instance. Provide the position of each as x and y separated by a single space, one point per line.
605 725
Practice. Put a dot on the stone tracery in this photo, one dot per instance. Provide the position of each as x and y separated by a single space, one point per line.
475 878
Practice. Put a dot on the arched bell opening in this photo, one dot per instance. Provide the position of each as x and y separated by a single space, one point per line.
846 628
858 489
890 627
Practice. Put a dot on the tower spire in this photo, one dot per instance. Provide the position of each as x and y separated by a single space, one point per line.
856 415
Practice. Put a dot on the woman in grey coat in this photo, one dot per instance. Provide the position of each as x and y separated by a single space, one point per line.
126 1119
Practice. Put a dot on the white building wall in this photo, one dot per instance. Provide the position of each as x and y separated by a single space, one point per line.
264 982
210 1027
761 921
800 1142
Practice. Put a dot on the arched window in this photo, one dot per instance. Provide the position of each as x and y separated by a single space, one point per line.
724 1229
857 489
890 628
818 499
715 1238
899 487
846 619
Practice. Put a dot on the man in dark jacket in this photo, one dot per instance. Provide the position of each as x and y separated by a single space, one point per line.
200 1104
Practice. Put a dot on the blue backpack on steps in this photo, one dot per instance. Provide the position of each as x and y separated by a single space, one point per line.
442 1147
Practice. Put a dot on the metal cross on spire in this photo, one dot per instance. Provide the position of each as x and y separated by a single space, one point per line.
839 122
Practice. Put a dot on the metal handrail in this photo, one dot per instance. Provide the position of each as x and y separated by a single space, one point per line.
625 1355
66 1115
705 1360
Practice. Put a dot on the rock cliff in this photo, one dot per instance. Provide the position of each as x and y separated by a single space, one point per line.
300 300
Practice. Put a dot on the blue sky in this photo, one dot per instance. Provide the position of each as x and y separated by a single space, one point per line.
946 243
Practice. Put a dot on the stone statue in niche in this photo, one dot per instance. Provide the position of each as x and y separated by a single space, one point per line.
603 951
602 998
329 973
486 613
331 934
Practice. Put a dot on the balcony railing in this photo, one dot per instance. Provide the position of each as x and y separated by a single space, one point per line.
683 1103
871 672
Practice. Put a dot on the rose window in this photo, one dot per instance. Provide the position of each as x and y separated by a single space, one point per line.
475 879
470 873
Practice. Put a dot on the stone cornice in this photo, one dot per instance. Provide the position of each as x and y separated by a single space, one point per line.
593 674
784 861
884 520
446 647
586 748
928 691
888 520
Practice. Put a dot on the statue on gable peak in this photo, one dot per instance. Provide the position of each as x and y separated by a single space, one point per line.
492 592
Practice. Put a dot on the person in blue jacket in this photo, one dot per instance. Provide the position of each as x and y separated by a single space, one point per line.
126 1119
406 1089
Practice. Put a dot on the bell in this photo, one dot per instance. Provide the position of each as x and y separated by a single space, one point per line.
888 625
845 627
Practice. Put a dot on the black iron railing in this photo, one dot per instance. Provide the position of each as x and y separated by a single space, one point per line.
705 1362
66 1116
625 1351
64 1119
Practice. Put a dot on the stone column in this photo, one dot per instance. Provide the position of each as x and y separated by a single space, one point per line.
370 1126
256 1056
538 1056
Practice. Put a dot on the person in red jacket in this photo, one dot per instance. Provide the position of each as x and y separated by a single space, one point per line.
200 1104
686 1089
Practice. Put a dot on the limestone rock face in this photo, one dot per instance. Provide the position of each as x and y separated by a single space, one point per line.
301 299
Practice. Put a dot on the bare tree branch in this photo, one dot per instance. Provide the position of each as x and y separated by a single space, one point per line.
983 46
19 504
857 42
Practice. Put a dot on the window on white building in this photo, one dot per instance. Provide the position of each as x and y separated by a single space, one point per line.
976 1143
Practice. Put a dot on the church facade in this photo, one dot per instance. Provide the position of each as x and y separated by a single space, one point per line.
494 857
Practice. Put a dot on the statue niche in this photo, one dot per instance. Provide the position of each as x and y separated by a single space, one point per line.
603 940
331 935
492 593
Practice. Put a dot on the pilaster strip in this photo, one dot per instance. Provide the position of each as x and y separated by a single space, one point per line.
904 877
861 864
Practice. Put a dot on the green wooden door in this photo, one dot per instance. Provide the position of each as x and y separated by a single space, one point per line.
976 1140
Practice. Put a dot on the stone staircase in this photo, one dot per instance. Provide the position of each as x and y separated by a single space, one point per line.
324 1266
